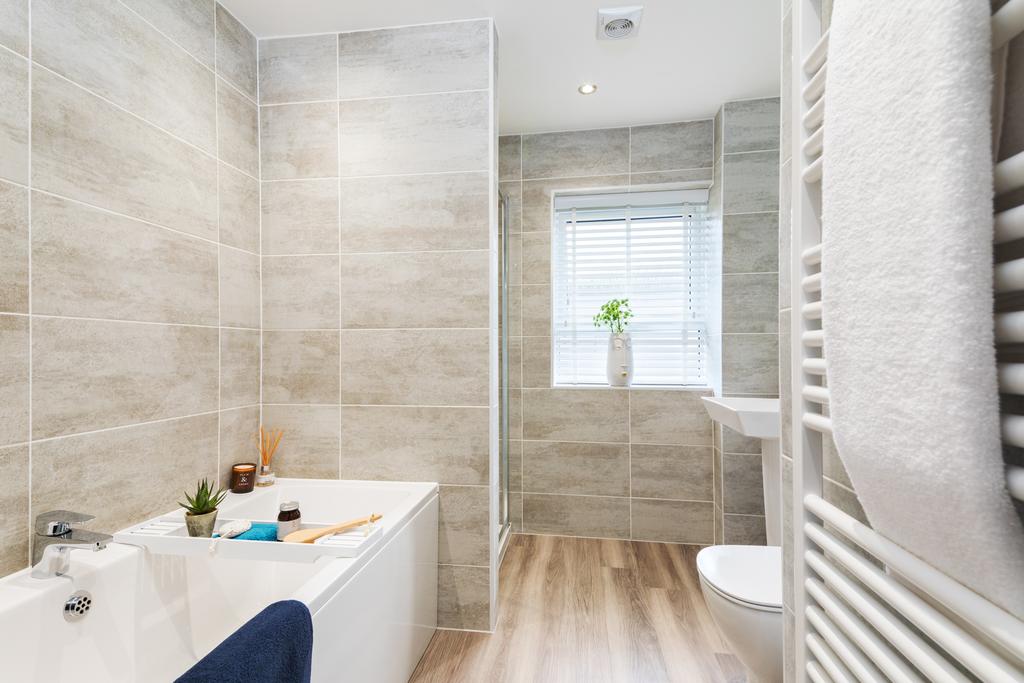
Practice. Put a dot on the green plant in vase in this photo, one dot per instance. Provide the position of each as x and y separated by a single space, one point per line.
201 509
615 315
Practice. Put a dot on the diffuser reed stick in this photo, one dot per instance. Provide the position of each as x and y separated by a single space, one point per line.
267 443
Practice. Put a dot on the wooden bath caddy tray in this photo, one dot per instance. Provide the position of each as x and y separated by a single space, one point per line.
168 536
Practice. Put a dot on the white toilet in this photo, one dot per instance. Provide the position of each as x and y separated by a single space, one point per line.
742 586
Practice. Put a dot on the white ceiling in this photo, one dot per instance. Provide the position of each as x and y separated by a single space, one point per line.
688 57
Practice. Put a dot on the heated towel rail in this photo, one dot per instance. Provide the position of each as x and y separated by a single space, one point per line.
854 620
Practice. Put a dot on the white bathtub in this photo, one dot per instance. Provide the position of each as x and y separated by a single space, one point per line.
153 616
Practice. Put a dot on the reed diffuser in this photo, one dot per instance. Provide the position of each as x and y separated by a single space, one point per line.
268 441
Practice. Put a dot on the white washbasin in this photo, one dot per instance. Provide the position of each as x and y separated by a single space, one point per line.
754 417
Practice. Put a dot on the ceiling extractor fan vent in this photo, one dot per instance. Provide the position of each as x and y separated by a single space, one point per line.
616 23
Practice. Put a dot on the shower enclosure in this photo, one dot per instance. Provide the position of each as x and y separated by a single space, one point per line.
503 440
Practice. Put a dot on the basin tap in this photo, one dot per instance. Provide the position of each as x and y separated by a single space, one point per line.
57 533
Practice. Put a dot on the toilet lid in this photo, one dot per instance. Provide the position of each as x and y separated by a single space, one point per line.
748 573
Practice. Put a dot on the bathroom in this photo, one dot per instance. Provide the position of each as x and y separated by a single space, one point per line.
515 316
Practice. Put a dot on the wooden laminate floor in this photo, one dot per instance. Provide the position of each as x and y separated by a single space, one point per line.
589 610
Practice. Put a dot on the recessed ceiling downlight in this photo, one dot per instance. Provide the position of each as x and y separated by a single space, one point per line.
587 89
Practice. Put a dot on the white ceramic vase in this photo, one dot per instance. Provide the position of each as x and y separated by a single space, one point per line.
620 360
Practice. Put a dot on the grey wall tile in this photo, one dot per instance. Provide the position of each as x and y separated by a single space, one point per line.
832 464
734 442
14 379
300 367
675 472
239 197
786 87
239 368
744 530
515 362
515 258
396 443
130 372
744 486
189 23
14 118
844 499
598 415
669 417
113 160
300 292
536 258
414 59
751 125
427 134
91 472
787 532
536 310
463 533
14 470
300 217
239 288
785 236
510 158
536 365
237 130
785 384
576 153
236 52
672 521
446 211
657 180
463 597
576 468
750 364
14 25
299 141
436 289
300 69
238 430
113 52
13 248
537 196
94 264
309 447
750 243
598 517
436 367
669 146
515 310
751 182
750 303
789 648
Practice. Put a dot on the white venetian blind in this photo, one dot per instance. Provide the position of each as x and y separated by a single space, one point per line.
653 248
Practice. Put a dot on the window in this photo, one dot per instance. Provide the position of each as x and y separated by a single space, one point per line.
653 248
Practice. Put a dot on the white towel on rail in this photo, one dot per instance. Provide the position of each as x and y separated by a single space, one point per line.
907 285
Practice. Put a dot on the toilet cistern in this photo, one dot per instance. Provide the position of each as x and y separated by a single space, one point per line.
757 418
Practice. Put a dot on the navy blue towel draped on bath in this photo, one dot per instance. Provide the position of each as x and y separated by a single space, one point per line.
275 646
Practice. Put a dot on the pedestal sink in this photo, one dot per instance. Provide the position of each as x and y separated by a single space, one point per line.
757 418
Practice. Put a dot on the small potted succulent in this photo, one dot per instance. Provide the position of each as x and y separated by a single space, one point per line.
201 509
615 315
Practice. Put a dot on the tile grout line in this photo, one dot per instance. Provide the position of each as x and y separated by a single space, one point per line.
339 99
259 221
337 133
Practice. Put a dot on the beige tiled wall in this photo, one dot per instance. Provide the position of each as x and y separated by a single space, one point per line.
746 173
604 462
377 200
129 264
641 463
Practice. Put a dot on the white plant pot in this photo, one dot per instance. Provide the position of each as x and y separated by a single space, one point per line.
620 360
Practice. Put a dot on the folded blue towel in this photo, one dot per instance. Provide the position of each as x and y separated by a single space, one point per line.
275 646
259 531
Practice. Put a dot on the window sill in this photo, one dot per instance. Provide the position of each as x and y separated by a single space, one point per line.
635 387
